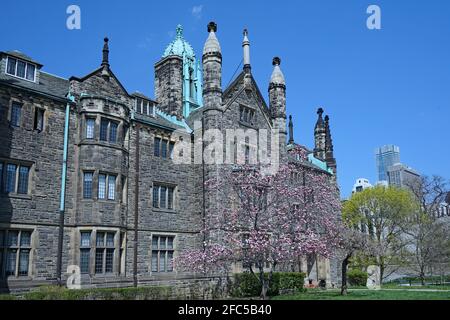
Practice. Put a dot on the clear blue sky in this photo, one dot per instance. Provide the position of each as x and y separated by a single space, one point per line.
379 87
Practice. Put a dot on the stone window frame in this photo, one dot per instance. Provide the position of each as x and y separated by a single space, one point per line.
169 147
104 247
166 251
36 127
10 112
19 247
3 177
168 187
121 129
119 254
244 113
107 196
118 186
85 135
92 191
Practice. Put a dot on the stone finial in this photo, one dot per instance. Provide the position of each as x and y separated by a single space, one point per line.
276 61
105 61
212 26
291 130
246 47
212 45
320 124
277 75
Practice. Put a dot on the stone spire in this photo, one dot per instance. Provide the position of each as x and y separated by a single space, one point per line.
212 70
319 136
246 47
212 45
329 149
105 60
291 131
277 75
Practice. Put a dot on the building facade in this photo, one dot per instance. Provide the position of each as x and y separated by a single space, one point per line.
402 176
386 157
360 185
85 154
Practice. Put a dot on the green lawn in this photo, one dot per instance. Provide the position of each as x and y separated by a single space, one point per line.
367 295
415 287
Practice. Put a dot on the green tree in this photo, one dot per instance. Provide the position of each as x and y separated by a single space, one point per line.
382 212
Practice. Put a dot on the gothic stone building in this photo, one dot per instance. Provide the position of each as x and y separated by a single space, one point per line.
86 154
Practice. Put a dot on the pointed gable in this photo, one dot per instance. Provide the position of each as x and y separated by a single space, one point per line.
245 91
95 83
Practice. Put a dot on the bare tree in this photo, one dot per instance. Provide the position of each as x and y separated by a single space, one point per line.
427 233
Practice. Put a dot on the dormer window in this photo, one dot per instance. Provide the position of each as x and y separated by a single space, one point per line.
144 107
21 69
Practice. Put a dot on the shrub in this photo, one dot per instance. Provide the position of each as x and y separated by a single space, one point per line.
357 278
292 281
59 293
247 285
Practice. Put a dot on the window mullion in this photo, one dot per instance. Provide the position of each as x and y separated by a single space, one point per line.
16 186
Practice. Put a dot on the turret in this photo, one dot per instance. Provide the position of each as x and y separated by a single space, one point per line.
277 102
212 69
329 149
319 136
178 84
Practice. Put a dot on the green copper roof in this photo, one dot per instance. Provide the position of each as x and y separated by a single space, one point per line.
319 163
179 46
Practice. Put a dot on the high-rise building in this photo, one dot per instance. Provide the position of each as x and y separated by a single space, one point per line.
386 157
402 176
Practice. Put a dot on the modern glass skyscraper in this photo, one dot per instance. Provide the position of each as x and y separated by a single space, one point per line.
386 157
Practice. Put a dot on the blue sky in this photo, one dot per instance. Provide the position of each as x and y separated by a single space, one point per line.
378 86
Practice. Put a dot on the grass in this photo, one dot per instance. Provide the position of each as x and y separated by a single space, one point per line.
367 295
416 287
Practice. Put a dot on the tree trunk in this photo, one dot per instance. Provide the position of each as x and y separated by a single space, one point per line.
344 276
381 265
422 277
264 286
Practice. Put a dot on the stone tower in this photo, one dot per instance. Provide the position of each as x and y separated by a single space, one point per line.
178 78
319 136
211 120
277 104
